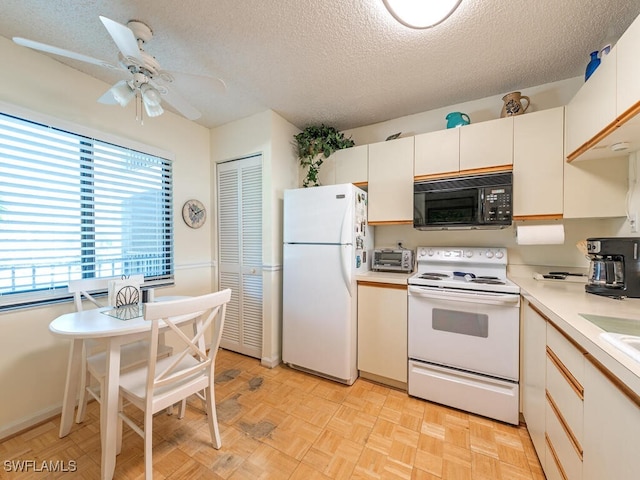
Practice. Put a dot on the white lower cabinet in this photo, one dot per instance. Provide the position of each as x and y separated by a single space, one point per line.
611 429
382 332
591 422
564 404
551 470
534 346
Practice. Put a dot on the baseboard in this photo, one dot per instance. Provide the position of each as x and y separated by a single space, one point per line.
26 423
389 382
271 362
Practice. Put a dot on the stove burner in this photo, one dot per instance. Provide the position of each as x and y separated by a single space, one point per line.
434 274
487 281
486 277
428 276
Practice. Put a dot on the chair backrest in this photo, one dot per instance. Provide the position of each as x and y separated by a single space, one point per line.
203 311
84 287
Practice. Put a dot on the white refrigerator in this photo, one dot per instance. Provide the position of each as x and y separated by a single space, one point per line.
326 243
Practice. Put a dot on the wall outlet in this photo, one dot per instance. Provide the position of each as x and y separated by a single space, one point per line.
633 222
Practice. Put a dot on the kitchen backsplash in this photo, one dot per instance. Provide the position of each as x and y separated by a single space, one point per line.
550 255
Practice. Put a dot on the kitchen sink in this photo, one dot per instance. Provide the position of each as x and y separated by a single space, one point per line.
629 344
622 333
625 326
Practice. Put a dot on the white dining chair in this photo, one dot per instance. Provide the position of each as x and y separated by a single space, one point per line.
93 357
189 371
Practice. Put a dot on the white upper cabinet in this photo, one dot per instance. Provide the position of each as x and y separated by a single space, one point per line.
326 173
538 162
477 146
351 164
594 106
348 165
605 110
486 144
390 183
437 152
628 63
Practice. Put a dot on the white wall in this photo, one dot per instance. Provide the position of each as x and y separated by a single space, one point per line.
32 360
542 97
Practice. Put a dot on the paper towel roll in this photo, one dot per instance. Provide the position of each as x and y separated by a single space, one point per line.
540 234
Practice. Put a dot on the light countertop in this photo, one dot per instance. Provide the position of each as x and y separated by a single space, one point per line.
384 277
564 302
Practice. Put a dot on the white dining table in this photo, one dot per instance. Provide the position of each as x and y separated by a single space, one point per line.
97 325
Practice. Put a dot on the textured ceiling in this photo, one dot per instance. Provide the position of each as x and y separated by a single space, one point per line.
346 63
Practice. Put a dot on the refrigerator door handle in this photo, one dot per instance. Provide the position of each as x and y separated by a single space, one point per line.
346 230
345 262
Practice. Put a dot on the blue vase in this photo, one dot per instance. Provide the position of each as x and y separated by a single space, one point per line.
592 65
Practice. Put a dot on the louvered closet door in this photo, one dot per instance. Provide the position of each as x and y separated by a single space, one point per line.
240 252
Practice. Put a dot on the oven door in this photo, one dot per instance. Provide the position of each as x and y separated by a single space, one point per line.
469 330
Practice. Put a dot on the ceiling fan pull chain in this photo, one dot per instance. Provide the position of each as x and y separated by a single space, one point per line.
141 109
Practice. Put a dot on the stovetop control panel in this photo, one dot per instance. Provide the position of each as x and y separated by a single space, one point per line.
484 255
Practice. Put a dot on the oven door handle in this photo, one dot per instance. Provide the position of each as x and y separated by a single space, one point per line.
486 298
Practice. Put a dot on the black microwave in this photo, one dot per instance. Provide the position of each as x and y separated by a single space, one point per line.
474 201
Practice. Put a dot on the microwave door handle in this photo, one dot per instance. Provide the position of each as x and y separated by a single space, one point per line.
480 209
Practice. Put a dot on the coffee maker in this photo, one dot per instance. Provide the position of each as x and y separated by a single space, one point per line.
614 270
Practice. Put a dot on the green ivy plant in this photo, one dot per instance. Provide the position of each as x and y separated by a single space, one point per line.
315 144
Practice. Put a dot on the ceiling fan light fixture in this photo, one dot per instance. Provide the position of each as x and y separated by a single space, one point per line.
421 14
150 96
153 110
122 93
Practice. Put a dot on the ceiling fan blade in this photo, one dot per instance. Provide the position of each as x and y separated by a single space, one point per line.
209 84
62 52
124 38
107 98
179 103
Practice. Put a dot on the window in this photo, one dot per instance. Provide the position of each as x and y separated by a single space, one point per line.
76 207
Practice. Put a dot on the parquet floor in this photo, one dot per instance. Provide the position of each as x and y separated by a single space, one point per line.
283 424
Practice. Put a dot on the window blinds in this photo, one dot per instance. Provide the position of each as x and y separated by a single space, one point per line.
75 207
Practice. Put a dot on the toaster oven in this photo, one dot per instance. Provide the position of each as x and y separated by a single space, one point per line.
392 260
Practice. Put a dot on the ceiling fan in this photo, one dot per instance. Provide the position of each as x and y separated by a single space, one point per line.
146 80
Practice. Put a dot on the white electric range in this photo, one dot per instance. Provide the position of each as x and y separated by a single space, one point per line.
464 331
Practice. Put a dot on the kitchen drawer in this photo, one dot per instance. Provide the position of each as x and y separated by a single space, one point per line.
567 353
551 468
563 450
567 397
